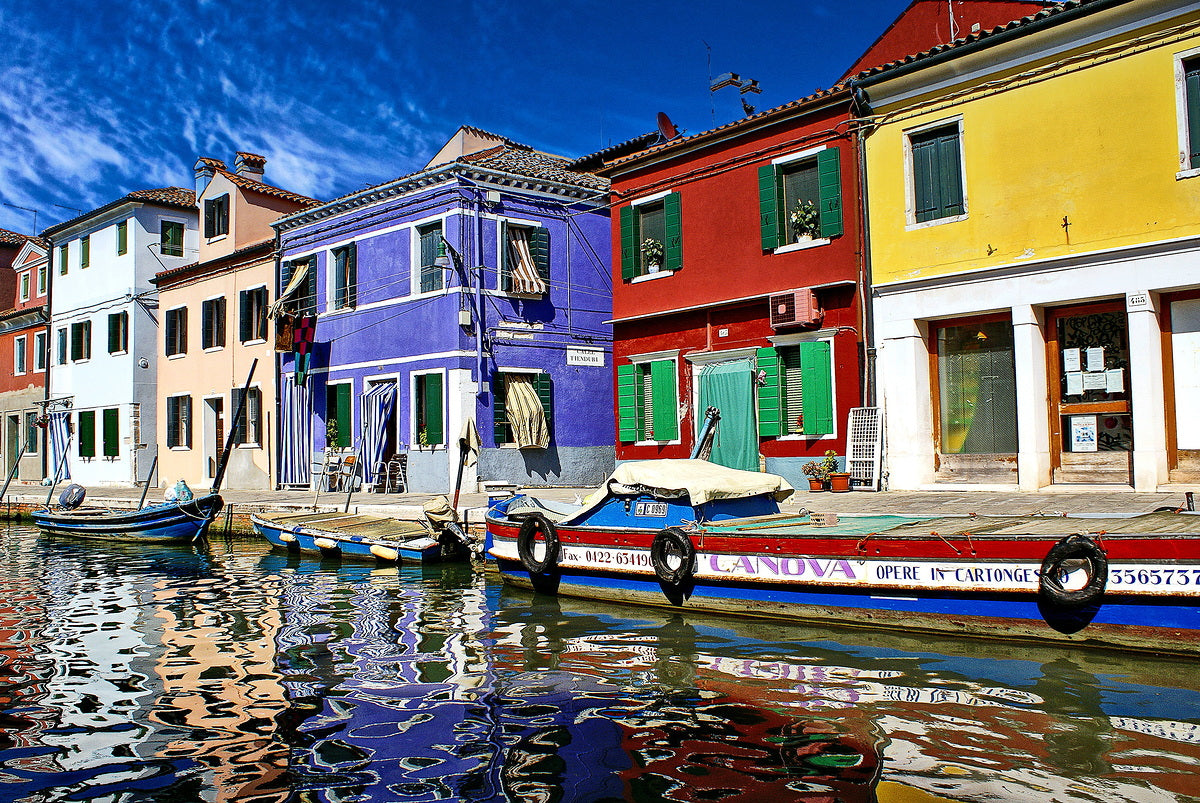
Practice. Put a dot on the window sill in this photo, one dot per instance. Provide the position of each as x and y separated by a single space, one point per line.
84 360
180 448
939 222
19 373
212 349
218 238
178 356
1192 173
117 353
255 342
249 445
803 437
645 277
802 245
526 296
657 443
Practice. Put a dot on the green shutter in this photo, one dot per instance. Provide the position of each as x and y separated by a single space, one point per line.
817 381
770 205
663 382
110 428
114 338
629 242
433 409
545 392
344 419
769 407
673 232
1192 93
924 196
950 175
627 411
539 247
122 237
499 410
87 433
829 178
505 259
244 324
85 252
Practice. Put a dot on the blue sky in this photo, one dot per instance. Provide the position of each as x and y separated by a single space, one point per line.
100 99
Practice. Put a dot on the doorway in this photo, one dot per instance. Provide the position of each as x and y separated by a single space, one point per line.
729 386
1091 415
214 434
12 441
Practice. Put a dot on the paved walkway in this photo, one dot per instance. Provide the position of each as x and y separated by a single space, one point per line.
1060 499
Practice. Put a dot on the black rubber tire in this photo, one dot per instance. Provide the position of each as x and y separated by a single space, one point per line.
1073 548
672 542
525 542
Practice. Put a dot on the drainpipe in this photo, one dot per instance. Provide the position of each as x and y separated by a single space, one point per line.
277 362
481 367
865 297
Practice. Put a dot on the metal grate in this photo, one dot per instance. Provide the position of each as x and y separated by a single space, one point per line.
864 447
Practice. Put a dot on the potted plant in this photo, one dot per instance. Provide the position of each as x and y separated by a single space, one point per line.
331 433
806 221
818 472
652 254
839 481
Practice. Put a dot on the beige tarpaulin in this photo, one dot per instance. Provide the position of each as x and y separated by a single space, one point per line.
468 442
525 413
702 481
525 278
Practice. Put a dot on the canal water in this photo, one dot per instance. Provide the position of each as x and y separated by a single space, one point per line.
234 673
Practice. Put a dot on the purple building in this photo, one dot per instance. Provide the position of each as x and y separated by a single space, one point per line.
475 290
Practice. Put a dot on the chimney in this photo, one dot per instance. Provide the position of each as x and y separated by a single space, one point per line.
204 170
250 165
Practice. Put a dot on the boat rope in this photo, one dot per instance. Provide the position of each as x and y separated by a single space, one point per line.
957 551
861 546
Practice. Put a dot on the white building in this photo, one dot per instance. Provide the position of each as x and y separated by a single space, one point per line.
104 328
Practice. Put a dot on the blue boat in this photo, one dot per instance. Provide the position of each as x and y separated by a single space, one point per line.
180 522
358 536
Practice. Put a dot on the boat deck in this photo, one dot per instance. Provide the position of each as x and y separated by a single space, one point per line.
353 524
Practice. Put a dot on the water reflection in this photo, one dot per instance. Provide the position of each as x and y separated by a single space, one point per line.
237 674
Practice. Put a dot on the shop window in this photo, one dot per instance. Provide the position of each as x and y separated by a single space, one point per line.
977 398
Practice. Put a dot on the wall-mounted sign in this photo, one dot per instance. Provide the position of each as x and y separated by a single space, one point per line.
1139 301
585 357
1083 433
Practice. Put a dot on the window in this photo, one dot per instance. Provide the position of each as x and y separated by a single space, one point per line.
85 250
111 433
647 401
795 392
63 252
118 332
300 285
41 350
429 430
179 422
431 248
976 388
521 409
212 323
345 277
20 354
32 434
62 346
81 341
937 174
338 417
525 262
41 280
86 429
122 237
800 197
24 286
171 242
216 216
249 429
252 315
651 237
176 331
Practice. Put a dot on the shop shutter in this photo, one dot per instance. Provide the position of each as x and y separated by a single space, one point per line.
629 242
627 417
829 177
663 382
769 408
673 233
816 379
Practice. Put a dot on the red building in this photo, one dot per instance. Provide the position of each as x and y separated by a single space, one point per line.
23 351
738 273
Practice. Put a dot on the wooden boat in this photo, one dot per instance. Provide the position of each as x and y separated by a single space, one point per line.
692 535
167 523
351 535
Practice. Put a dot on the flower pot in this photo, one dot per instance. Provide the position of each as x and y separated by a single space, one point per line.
839 482
804 238
816 485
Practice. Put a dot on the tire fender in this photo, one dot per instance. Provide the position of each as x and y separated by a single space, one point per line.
525 542
672 543
1077 549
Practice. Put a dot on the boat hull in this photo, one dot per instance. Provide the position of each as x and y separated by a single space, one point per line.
894 573
333 536
168 523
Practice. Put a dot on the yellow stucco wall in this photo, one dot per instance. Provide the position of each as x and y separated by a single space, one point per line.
1092 136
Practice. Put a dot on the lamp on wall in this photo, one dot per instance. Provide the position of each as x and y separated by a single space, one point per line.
447 258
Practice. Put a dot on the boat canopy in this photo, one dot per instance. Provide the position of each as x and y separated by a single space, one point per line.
701 480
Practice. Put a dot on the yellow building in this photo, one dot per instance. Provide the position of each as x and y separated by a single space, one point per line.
213 319
1034 233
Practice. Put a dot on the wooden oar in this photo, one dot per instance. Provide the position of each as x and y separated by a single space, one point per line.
13 472
146 487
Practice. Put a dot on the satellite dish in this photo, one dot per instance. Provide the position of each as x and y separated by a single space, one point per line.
666 127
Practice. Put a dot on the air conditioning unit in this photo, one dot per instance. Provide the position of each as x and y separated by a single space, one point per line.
795 308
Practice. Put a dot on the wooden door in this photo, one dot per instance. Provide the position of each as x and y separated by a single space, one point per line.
1091 416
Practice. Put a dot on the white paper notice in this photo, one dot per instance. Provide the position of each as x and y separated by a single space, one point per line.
1096 381
1074 383
1114 381
1083 433
1095 358
1071 360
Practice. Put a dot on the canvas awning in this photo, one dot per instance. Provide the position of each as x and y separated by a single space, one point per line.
293 285
525 278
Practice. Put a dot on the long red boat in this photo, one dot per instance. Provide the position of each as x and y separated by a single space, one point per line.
693 535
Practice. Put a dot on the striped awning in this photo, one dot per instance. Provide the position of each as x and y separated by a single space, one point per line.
295 440
60 441
525 278
377 404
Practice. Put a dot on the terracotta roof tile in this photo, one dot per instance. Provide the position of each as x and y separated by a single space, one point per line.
162 196
267 189
525 161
